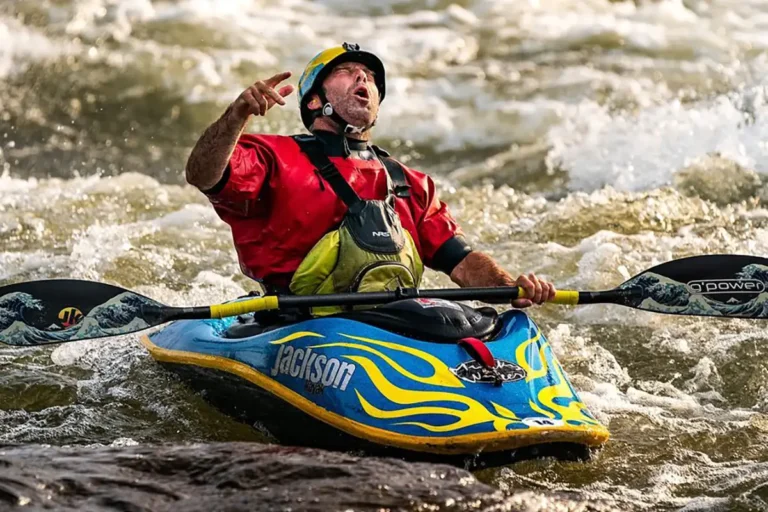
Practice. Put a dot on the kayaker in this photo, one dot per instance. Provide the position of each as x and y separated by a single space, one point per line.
329 212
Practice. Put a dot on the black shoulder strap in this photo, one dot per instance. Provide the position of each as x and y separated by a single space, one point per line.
315 150
395 171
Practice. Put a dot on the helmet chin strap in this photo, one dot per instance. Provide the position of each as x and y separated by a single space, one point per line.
328 111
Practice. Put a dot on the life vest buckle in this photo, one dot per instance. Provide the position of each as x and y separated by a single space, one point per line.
403 191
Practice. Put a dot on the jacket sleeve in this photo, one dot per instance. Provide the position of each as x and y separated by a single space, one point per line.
250 166
442 242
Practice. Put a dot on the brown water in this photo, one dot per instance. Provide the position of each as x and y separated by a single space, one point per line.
239 476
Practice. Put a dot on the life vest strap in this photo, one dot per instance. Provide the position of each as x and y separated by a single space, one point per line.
315 150
396 172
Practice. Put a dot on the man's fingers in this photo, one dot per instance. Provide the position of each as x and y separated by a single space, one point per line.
259 97
255 91
276 79
262 101
537 289
551 292
522 303
269 93
526 285
273 96
253 105
285 90
528 288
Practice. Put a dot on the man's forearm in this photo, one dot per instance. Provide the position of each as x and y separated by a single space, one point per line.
209 157
479 269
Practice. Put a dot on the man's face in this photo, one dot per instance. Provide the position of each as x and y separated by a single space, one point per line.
351 89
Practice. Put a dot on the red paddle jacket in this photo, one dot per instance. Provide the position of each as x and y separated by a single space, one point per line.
278 207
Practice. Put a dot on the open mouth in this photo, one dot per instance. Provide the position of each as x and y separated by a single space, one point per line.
362 93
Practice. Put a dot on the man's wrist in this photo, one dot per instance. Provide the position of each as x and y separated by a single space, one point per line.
232 119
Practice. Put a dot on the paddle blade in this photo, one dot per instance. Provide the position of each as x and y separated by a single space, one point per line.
58 310
731 286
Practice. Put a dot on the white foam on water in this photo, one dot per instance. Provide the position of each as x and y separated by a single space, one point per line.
422 112
39 262
48 425
714 477
437 43
105 235
705 377
123 441
601 365
21 45
678 135
189 215
678 412
95 18
706 504
77 353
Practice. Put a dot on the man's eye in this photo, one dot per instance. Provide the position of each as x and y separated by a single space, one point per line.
369 74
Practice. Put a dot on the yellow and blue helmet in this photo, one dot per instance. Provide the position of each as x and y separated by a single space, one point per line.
322 64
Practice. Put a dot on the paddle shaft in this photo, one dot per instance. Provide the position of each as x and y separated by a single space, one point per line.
499 294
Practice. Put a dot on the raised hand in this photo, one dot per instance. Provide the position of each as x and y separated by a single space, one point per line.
261 96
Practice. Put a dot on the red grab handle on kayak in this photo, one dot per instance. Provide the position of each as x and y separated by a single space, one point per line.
478 351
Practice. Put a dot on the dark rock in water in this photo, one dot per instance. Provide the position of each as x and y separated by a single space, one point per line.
243 477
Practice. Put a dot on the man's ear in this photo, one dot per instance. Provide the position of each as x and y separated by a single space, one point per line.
314 103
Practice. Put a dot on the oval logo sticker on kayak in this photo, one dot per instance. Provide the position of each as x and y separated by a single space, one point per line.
473 371
542 422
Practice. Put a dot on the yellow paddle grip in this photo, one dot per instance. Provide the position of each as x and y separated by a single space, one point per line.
567 297
247 306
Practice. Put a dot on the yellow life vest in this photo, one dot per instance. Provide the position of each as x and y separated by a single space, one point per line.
370 250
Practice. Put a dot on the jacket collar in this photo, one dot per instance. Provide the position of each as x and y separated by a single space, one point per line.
339 145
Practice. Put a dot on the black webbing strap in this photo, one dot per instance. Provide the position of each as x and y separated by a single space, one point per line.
397 174
395 171
315 150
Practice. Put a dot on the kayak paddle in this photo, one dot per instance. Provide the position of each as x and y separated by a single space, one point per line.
60 310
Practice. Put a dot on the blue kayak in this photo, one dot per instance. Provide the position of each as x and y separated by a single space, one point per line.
422 376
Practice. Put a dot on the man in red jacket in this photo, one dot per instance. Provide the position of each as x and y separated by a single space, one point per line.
329 212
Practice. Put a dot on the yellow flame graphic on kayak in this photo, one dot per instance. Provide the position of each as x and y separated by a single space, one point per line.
472 413
545 403
468 412
441 374
520 355
295 336
555 401
574 411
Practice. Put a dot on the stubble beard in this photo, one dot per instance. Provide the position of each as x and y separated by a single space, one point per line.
355 113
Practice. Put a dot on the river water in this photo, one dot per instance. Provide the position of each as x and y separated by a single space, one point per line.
585 140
